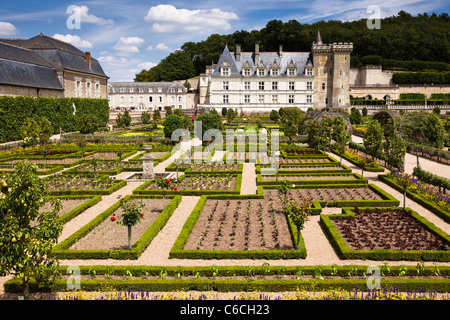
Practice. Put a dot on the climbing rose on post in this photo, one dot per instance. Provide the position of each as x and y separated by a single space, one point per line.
132 215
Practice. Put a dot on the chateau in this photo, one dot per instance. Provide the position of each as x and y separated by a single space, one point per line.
262 81
43 66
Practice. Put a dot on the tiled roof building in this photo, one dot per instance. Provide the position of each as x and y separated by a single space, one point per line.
45 66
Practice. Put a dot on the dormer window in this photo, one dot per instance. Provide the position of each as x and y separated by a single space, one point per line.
225 71
150 90
261 72
246 72
275 72
159 89
309 72
131 90
291 72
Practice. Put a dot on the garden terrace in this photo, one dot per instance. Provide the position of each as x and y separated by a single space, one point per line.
312 179
338 195
385 234
196 184
205 167
49 169
72 206
106 167
103 238
70 184
66 162
321 160
236 227
308 168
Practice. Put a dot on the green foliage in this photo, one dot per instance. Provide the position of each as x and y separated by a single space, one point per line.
156 115
224 111
231 114
355 116
423 128
298 213
421 77
373 139
145 117
123 120
171 123
176 66
29 131
87 124
274 115
59 111
210 120
412 96
27 235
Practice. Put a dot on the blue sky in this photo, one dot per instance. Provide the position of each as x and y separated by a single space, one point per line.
128 36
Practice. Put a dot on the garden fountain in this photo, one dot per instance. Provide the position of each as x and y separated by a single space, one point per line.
148 168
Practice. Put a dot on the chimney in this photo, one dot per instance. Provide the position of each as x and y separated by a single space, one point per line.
280 52
256 54
238 52
87 56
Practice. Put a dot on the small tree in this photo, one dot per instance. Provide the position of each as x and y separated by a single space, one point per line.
126 118
355 116
373 139
45 130
341 135
165 184
274 115
87 123
27 233
298 213
81 143
156 115
283 190
224 111
230 115
145 117
30 130
171 123
132 214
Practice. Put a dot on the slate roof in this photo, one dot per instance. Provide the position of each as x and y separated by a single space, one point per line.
299 59
23 67
59 54
114 87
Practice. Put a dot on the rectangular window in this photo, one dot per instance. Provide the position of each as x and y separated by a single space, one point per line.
261 98
261 85
309 85
247 85
247 72
291 85
159 99
275 72
78 88
225 98
274 98
150 99
88 89
309 72
247 98
274 85
180 98
225 85
308 98
291 98
122 99
323 85
261 72
141 99
291 72
225 71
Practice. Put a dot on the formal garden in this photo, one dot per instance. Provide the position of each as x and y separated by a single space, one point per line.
316 213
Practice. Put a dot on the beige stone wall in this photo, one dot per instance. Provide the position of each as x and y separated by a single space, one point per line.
371 76
70 79
322 65
14 91
428 90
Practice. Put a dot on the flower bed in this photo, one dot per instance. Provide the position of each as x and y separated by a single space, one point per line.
72 206
237 228
340 195
106 167
205 167
89 242
307 168
426 195
67 184
49 169
385 234
196 184
312 179
358 158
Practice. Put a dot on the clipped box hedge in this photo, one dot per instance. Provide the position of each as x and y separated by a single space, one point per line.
90 201
390 280
237 188
50 168
426 203
178 251
118 183
341 247
313 168
359 179
388 200
62 250
368 169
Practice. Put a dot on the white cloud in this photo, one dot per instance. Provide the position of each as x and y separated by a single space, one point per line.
127 45
169 19
123 69
159 46
74 40
146 65
90 18
7 29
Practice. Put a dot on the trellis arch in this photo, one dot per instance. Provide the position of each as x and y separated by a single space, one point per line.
329 113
